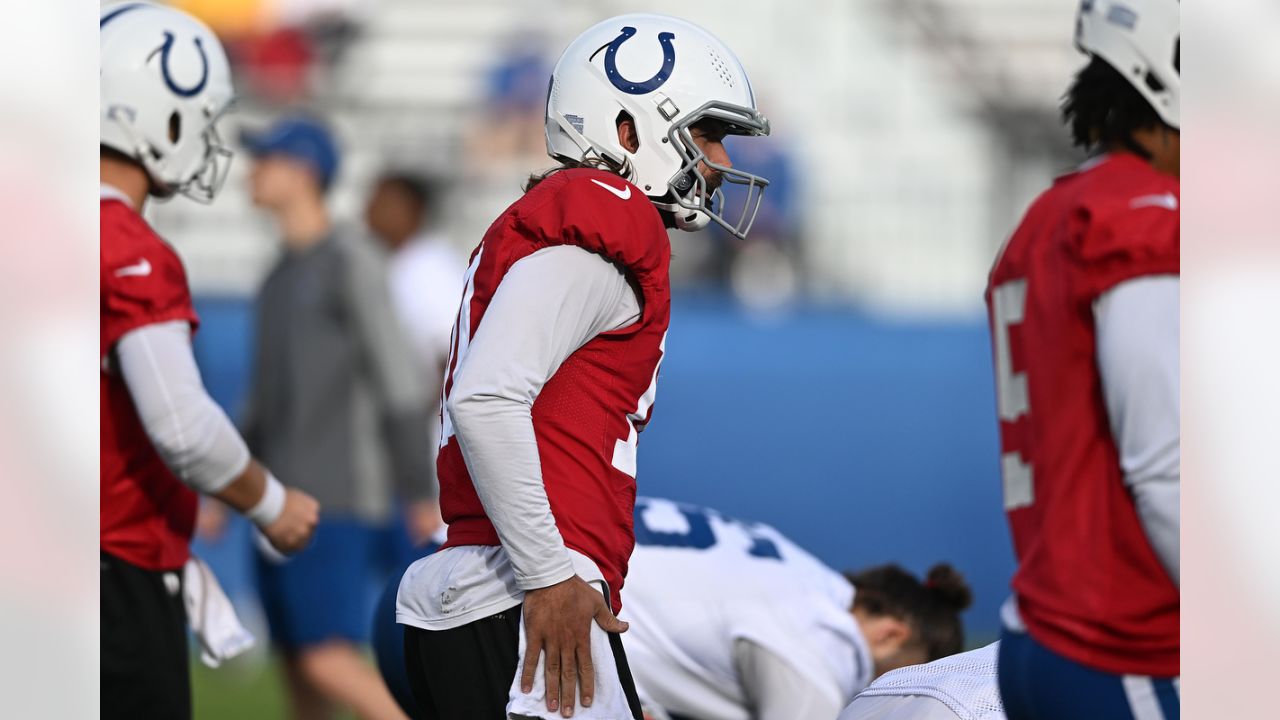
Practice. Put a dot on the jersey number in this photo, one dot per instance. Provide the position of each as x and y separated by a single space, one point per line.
1008 307
699 536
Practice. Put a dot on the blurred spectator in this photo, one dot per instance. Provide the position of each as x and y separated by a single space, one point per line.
510 125
336 402
425 276
426 272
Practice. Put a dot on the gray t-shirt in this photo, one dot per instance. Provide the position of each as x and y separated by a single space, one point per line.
338 406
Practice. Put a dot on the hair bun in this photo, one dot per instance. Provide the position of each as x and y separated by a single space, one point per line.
949 586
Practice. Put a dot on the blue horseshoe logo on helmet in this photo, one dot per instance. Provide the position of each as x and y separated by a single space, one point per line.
640 88
164 68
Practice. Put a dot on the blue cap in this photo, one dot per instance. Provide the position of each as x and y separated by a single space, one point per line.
301 138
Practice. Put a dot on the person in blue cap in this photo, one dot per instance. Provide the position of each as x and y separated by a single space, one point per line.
336 402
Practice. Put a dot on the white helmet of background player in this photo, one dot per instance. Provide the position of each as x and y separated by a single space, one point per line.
165 82
1140 39
666 74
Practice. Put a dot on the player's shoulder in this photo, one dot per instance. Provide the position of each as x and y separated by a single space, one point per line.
574 183
1121 205
596 210
590 197
128 241
966 683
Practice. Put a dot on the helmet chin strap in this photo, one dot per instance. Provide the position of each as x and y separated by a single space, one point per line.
686 219
692 222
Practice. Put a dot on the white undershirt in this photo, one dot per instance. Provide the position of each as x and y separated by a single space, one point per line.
188 429
775 689
1137 336
547 306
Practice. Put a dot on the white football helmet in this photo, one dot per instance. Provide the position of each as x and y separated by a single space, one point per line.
1140 39
666 74
165 82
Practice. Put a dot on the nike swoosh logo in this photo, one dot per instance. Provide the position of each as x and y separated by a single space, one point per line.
624 193
1168 201
139 269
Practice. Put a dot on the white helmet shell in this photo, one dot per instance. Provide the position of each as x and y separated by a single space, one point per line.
165 81
1141 40
666 74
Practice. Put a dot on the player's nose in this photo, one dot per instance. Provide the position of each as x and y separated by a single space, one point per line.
717 154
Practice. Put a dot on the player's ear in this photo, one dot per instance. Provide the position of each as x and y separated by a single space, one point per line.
627 135
886 634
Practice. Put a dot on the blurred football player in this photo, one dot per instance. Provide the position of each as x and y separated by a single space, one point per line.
956 687
1084 317
553 371
731 620
165 83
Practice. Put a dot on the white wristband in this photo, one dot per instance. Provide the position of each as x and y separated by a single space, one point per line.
271 506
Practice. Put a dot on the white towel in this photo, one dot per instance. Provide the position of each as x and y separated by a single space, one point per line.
211 615
610 701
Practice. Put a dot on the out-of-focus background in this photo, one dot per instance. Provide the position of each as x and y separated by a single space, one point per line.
844 398
830 376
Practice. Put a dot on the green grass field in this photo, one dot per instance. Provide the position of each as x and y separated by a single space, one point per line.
247 689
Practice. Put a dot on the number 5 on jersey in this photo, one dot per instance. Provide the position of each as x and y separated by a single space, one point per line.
1008 306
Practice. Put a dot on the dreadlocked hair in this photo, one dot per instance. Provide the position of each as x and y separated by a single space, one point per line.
596 162
932 608
1103 109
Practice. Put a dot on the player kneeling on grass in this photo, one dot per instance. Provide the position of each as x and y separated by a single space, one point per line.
553 373
730 619
164 84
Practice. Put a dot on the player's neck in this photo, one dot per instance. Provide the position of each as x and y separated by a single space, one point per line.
304 222
126 177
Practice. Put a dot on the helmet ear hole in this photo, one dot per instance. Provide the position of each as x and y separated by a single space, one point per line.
631 140
175 127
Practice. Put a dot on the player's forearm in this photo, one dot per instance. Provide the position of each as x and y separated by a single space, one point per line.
498 444
775 689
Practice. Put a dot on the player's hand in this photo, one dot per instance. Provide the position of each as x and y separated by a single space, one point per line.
557 621
293 529
422 519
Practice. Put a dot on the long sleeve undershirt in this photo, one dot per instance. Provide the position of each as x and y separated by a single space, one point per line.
547 306
191 433
1137 332
775 689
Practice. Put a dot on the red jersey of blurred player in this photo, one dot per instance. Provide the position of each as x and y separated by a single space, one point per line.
588 415
147 514
1088 584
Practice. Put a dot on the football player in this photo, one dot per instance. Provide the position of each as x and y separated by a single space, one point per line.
552 375
1084 317
731 620
165 83
956 687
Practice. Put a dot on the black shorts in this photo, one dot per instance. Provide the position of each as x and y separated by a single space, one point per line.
465 673
144 643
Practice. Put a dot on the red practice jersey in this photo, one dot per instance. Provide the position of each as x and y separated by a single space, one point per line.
1089 585
587 416
147 514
